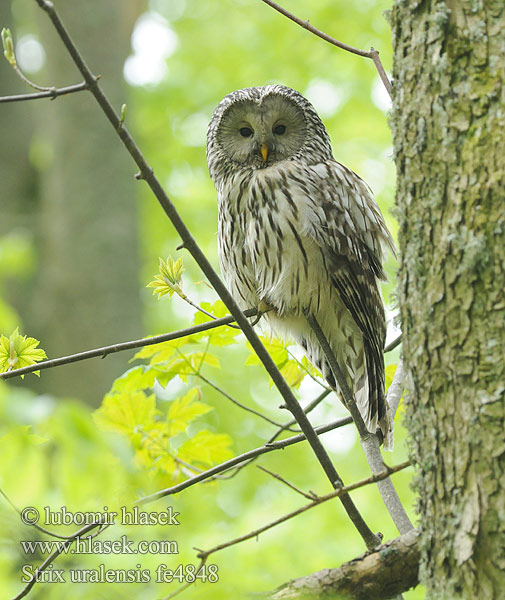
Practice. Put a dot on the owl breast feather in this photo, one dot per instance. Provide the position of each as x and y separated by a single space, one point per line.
267 253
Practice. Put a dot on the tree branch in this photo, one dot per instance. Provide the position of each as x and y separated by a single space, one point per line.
240 404
48 562
236 460
369 441
204 554
396 388
287 427
386 572
392 345
308 495
50 93
190 244
105 350
372 53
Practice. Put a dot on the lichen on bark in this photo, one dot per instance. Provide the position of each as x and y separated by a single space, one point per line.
449 136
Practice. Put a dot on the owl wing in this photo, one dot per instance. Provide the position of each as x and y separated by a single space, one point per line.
349 226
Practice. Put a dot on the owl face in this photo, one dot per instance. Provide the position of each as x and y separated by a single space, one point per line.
261 130
258 127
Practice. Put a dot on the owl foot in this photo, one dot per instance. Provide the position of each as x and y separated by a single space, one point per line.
263 308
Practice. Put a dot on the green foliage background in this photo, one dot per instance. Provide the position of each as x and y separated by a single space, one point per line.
52 451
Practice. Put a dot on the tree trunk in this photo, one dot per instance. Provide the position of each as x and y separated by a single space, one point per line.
449 135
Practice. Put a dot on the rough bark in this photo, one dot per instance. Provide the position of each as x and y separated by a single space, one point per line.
449 135
383 573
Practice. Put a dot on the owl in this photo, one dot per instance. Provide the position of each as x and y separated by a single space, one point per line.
301 234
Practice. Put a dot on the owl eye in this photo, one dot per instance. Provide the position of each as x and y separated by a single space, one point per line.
279 129
246 131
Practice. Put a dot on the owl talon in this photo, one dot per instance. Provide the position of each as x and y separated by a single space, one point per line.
263 308
256 320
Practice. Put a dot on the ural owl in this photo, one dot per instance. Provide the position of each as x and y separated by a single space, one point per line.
301 234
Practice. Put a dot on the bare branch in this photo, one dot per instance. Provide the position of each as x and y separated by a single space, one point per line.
146 173
238 403
369 441
392 345
62 548
396 388
307 409
185 586
386 572
105 350
229 464
288 424
49 93
314 502
309 496
372 53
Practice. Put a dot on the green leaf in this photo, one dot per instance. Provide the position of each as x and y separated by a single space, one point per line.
198 359
390 373
221 336
126 412
137 378
168 280
184 410
21 432
167 464
310 368
293 373
151 443
17 351
163 351
276 348
8 45
218 309
207 448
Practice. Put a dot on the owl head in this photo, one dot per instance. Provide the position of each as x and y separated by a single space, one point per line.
257 127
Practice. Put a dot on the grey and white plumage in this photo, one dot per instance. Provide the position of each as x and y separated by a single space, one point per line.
301 233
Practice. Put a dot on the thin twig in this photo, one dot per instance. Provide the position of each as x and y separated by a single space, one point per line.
185 585
372 53
35 525
232 462
290 485
197 373
146 173
49 93
287 427
105 350
187 299
314 502
62 548
24 78
240 404
392 345
318 380
369 441
307 409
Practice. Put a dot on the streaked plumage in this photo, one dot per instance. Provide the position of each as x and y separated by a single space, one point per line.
300 232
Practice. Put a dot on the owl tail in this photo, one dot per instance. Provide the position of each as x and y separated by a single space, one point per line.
381 421
372 405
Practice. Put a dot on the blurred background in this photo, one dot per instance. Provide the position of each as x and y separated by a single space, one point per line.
80 239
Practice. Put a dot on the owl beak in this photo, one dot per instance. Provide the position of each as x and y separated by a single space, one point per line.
264 152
